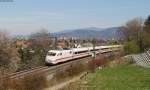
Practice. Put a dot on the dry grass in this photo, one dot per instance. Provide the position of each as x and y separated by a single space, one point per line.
68 72
99 62
32 82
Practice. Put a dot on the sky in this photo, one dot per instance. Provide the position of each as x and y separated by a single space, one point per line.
22 17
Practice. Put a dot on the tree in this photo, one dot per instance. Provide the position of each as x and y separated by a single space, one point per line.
147 25
37 46
9 57
41 40
41 43
133 32
138 32
146 40
132 29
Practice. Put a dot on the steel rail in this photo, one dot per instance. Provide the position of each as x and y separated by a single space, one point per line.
50 69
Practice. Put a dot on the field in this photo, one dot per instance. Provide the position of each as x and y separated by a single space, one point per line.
120 77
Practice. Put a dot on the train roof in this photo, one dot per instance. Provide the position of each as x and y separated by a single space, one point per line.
84 48
57 51
80 49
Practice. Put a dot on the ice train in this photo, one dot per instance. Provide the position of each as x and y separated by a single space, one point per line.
56 56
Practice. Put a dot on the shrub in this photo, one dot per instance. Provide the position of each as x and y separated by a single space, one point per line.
67 72
96 63
31 82
131 48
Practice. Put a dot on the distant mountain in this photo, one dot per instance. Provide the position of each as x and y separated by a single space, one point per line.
90 33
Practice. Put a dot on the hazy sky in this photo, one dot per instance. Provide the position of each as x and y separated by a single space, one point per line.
27 16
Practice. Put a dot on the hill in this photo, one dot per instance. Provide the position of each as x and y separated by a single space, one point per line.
90 33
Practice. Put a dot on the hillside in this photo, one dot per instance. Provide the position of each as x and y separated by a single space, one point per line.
90 33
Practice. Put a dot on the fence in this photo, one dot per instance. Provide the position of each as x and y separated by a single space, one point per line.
142 59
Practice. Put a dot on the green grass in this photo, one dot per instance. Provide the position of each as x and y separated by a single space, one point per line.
120 77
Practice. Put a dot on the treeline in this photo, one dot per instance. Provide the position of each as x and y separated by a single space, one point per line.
20 54
9 56
136 35
34 54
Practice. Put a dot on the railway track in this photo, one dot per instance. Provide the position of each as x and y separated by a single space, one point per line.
22 73
41 69
45 69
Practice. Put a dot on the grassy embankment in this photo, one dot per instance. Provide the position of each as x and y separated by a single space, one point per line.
120 77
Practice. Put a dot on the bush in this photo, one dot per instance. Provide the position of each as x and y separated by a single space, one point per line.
131 47
92 65
31 82
68 72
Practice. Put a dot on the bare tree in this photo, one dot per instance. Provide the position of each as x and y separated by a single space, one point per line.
41 43
146 40
147 25
41 40
8 53
131 30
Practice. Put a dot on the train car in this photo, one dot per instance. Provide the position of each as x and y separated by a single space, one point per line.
56 56
81 52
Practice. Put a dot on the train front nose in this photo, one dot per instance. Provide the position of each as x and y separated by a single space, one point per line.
51 57
49 60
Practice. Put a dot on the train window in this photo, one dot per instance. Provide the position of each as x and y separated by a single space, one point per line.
80 52
51 54
95 50
59 54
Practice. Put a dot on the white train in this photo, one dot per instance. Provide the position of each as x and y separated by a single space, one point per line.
56 56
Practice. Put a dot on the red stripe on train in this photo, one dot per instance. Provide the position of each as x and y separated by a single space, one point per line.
72 56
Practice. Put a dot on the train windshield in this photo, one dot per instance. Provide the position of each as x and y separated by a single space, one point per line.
51 54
